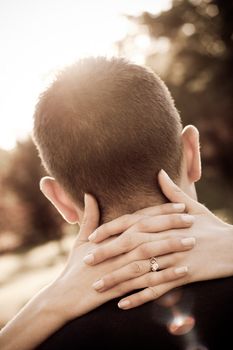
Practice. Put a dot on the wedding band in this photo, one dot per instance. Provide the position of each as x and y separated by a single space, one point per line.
154 266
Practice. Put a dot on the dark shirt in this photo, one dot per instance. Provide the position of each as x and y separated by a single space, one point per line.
200 315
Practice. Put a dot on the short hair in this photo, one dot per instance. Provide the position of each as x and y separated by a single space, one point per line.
106 127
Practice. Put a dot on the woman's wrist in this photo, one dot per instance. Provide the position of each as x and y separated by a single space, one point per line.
37 320
223 247
54 302
46 303
228 249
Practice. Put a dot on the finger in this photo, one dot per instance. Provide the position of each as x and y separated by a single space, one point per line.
167 208
162 247
132 270
114 227
135 242
162 282
117 246
90 219
175 194
130 240
124 222
154 224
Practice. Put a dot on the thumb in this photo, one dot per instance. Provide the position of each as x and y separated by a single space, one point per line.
175 194
90 219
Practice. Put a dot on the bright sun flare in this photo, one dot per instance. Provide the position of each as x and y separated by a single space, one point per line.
37 37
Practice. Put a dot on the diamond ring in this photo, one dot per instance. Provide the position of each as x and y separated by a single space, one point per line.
154 266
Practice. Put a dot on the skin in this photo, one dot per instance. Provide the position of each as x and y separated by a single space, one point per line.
147 233
208 231
64 299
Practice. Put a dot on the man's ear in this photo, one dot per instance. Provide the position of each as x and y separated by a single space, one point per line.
191 149
58 197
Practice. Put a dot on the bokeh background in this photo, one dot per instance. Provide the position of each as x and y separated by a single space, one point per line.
188 42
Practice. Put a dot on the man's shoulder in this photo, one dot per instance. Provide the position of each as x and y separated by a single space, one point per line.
205 308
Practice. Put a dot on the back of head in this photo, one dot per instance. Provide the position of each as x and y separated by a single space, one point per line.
106 127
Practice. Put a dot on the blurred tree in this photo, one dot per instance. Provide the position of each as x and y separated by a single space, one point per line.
191 47
198 68
22 180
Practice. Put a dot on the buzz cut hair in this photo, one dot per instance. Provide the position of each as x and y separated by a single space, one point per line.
106 126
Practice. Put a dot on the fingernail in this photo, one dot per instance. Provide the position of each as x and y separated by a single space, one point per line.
92 237
189 219
98 284
188 241
181 270
123 304
88 259
179 206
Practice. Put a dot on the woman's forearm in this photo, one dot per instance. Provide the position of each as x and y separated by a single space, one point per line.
39 318
227 252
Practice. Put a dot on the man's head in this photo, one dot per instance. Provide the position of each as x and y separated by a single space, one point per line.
106 127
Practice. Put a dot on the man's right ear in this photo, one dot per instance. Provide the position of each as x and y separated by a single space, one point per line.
60 199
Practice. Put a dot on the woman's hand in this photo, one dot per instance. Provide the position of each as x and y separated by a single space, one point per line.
71 294
75 282
73 291
210 258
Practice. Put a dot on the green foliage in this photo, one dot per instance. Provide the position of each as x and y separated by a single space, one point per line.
191 47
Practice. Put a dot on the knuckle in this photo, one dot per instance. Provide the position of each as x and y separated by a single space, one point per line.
176 257
154 292
143 250
172 244
122 289
101 230
137 217
126 240
126 219
178 219
164 208
142 225
168 275
135 268
99 253
173 219
109 280
149 280
138 299
175 243
119 290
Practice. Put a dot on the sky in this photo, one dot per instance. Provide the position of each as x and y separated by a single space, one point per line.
37 37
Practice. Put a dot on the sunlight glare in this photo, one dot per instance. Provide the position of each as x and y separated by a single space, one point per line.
37 38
